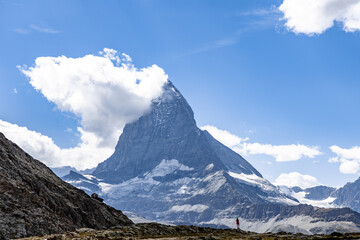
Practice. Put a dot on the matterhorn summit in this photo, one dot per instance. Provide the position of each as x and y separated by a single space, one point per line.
166 169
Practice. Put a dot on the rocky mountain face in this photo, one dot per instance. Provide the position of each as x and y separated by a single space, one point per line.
323 196
168 132
87 183
166 169
34 201
319 196
319 192
63 171
349 195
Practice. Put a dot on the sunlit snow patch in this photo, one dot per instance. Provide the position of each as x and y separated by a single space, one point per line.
266 186
253 179
146 182
325 203
166 167
189 208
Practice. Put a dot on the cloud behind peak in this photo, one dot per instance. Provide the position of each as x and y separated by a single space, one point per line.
104 91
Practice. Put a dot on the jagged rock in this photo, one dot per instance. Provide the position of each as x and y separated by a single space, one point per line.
89 185
349 195
319 192
34 201
95 196
346 196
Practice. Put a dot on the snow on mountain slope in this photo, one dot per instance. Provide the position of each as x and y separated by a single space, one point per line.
306 196
323 196
189 208
166 169
147 181
87 183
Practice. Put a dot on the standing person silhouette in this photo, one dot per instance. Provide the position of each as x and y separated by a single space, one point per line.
237 224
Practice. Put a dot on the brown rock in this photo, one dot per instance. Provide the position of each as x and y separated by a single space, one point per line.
34 201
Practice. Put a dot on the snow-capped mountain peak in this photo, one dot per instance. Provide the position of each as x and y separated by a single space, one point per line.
166 169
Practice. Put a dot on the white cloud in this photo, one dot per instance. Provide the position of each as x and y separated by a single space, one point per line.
281 153
349 167
224 136
86 154
104 96
333 159
296 179
349 159
15 91
316 16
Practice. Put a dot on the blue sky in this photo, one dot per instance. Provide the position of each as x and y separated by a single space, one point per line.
243 66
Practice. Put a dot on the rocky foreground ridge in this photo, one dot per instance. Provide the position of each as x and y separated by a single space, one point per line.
34 201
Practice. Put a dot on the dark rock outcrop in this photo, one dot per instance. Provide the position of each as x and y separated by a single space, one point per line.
319 192
34 201
349 195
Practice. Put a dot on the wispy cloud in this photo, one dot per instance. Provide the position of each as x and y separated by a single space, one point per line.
21 31
257 19
44 29
216 44
281 153
260 12
36 28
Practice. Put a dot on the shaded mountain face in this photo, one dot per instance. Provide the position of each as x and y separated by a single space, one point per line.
166 146
34 201
166 169
349 195
319 192
168 132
